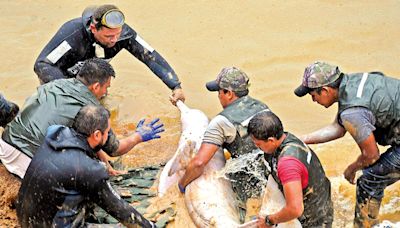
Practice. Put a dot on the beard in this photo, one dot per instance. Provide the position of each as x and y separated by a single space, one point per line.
98 147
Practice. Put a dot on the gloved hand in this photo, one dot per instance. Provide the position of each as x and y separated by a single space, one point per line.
149 131
177 94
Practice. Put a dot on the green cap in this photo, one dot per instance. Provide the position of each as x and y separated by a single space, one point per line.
230 78
317 75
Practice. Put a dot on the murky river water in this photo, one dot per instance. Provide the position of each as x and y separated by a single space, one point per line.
272 41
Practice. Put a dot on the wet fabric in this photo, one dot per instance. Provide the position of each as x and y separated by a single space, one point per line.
361 119
292 169
318 206
14 160
379 94
53 103
371 185
136 187
63 181
73 43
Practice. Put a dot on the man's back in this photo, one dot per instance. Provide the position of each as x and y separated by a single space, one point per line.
59 181
54 103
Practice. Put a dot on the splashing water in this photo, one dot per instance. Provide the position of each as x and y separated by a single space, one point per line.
248 163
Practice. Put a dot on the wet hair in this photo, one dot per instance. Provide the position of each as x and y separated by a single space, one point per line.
95 70
239 93
265 125
334 85
91 118
99 12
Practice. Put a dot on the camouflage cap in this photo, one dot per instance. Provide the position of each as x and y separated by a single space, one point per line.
230 78
317 75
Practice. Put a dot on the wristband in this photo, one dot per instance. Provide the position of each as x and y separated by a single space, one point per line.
269 222
181 188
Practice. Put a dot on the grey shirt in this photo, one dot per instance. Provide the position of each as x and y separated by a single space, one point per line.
359 122
219 131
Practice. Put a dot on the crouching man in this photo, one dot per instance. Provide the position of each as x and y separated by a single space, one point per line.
298 172
63 178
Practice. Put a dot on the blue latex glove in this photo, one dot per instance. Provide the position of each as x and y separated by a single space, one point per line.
149 131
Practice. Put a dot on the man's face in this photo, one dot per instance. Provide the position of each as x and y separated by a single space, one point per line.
223 98
102 90
106 36
325 98
265 145
105 133
104 137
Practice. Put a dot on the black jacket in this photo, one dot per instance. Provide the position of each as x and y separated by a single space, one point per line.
73 43
63 179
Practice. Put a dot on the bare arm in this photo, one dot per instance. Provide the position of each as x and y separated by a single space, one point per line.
325 134
144 132
197 164
359 122
369 155
105 158
294 205
126 144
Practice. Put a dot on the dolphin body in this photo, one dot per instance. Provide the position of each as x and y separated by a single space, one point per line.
273 200
209 199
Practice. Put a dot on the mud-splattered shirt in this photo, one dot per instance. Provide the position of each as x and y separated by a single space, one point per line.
359 122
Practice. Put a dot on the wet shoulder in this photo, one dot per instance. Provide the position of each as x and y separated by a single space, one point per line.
291 144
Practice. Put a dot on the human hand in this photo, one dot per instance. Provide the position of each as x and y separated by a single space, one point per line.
261 222
113 172
149 131
177 94
350 174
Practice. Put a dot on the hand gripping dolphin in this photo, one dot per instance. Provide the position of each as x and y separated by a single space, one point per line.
209 199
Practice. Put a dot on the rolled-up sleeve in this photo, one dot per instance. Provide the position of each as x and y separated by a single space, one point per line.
219 131
359 122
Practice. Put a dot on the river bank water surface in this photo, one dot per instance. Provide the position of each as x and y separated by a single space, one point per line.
272 41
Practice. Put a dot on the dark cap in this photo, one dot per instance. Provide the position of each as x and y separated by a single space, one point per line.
230 78
317 75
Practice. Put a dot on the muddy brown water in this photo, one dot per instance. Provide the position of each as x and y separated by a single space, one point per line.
272 41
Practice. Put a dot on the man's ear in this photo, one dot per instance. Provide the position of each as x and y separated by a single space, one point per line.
230 94
327 89
97 135
95 86
92 27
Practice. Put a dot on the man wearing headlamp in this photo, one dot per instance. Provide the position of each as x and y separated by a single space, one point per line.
101 32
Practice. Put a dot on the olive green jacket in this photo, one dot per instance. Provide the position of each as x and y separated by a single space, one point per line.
379 94
54 103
